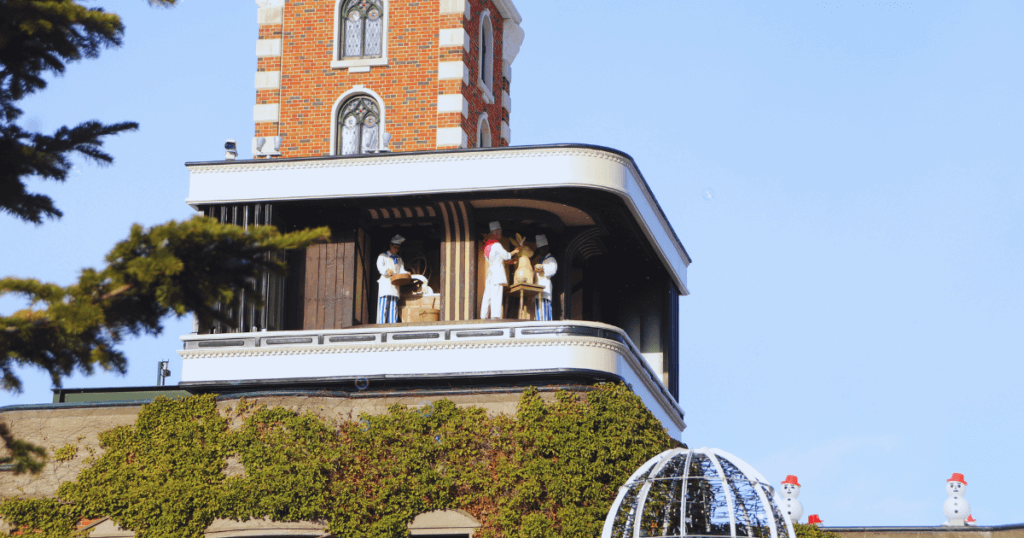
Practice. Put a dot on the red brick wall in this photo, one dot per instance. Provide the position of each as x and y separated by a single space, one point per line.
408 85
472 91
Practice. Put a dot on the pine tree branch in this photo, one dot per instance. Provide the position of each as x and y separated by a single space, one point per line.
195 266
40 36
46 157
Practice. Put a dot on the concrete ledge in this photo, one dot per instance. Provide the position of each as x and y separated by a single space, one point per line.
452 103
454 37
453 71
268 80
269 15
266 48
229 528
266 112
451 137
454 7
444 522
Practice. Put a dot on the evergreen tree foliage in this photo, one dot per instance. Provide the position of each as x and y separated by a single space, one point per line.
174 268
39 37
812 531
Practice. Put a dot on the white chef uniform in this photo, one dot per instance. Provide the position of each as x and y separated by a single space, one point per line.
387 293
497 278
543 302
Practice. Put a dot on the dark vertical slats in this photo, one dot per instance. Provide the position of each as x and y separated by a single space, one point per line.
269 287
358 289
328 289
321 275
365 297
309 318
345 284
274 285
295 290
469 280
447 262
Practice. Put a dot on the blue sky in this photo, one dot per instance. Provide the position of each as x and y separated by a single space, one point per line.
847 176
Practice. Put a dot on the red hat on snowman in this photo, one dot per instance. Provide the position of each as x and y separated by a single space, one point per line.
791 479
813 519
957 477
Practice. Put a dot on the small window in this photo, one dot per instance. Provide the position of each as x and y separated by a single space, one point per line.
483 132
358 126
362 30
487 52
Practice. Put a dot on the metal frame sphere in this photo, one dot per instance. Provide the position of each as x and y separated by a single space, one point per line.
701 492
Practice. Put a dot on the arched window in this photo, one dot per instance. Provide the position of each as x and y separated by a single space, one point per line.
362 30
358 126
483 132
486 52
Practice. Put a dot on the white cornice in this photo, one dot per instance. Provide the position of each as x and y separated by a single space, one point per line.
398 174
638 369
508 10
512 39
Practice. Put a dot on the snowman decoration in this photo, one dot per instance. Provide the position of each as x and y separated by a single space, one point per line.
790 491
956 508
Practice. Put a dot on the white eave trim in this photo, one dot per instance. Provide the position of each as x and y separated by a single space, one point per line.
508 10
440 172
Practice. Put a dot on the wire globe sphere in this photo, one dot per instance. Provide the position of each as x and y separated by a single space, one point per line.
702 492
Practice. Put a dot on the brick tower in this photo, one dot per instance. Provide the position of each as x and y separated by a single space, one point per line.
334 77
390 311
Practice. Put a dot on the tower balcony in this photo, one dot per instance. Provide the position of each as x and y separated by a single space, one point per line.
456 352
621 269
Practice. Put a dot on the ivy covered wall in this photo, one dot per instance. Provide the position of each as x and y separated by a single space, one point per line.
550 470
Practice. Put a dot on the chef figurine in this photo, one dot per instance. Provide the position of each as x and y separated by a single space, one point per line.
545 268
497 276
389 263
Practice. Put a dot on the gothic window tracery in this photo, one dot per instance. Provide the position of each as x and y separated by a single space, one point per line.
358 126
363 28
487 52
483 132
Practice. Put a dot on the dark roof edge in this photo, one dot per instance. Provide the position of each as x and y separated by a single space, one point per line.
516 378
938 528
71 405
462 384
400 154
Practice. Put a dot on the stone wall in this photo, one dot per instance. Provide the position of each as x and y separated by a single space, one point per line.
79 425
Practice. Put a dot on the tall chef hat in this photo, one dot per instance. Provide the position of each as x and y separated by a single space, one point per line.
542 240
397 240
495 225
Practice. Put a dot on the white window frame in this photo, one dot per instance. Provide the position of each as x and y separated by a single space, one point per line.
482 62
356 91
480 130
337 63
